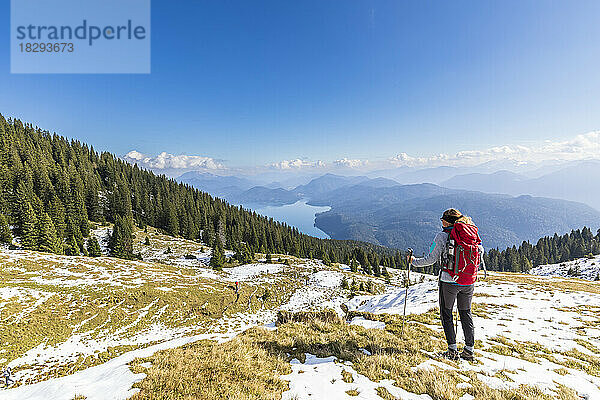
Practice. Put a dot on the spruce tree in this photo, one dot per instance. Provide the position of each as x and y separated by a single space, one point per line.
121 238
93 247
217 260
325 259
5 233
367 268
242 254
71 247
28 222
344 284
353 265
47 241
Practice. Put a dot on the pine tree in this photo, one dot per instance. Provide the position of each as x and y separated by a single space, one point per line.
121 239
217 260
5 233
242 254
71 247
325 259
93 247
344 284
353 265
47 241
331 256
367 268
28 223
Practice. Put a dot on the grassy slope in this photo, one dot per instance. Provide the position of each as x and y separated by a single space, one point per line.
62 314
403 359
87 310
249 365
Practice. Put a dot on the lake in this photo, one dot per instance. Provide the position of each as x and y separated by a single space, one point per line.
299 215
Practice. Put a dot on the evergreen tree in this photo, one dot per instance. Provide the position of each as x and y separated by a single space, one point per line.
71 247
28 223
331 256
217 260
367 268
47 240
353 265
121 239
344 284
325 259
369 287
93 247
242 254
5 233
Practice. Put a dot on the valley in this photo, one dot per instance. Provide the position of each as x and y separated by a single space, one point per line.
384 212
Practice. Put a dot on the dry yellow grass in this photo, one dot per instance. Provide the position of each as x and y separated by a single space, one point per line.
249 366
544 283
238 369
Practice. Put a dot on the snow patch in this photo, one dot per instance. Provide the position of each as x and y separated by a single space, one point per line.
321 378
367 323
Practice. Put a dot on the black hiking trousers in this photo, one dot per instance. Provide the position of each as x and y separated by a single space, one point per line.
463 294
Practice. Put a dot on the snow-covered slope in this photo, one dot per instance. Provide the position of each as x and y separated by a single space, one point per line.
584 268
556 324
72 324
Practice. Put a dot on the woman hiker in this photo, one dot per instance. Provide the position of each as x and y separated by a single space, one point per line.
458 250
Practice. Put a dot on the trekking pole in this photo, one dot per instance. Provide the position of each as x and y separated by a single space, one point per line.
456 322
410 253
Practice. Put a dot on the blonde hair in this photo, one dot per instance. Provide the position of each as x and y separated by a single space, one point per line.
465 219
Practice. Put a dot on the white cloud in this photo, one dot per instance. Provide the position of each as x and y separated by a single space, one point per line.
585 146
169 161
580 147
297 164
346 162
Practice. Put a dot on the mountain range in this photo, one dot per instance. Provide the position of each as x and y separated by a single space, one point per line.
575 182
509 207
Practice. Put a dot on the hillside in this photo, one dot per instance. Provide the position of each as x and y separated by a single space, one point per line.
53 189
108 328
583 268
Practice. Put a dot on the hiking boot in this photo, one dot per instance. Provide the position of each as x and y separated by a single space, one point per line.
467 355
450 355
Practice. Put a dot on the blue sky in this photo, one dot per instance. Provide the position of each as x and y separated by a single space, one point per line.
253 83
